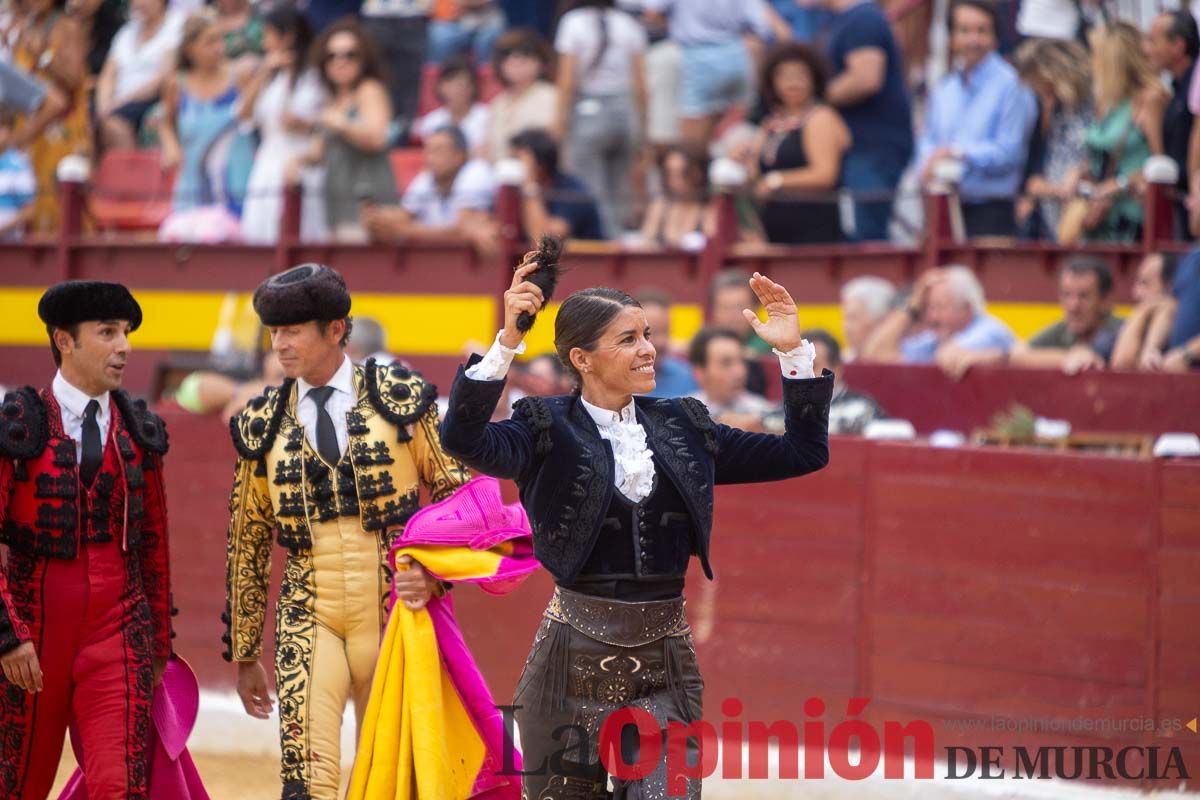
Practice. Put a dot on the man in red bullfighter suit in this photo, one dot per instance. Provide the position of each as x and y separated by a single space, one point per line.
85 609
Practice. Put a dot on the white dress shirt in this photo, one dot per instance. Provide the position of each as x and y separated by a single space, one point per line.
340 403
634 462
73 404
632 459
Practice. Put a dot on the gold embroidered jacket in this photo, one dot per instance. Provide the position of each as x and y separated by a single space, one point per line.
281 485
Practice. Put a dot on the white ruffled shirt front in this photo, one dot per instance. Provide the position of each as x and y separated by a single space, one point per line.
634 461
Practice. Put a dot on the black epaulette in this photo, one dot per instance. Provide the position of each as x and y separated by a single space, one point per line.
23 426
698 414
400 395
536 413
254 428
147 428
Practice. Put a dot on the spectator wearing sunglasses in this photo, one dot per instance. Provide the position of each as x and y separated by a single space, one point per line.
352 132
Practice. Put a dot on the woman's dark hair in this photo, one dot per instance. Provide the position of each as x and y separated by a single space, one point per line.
582 319
567 6
370 64
287 20
108 19
459 66
697 160
526 42
541 146
792 53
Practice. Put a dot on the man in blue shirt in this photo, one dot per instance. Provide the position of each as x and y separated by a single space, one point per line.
980 115
868 89
945 323
1183 346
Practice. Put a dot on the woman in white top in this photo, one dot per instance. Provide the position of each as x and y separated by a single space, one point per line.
141 58
284 101
458 89
522 62
602 101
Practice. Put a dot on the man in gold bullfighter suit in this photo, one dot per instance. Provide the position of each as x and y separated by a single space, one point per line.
331 463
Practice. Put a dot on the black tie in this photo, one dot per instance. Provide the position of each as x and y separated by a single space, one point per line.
327 443
93 453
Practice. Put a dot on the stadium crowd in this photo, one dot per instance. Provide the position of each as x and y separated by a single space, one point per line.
607 114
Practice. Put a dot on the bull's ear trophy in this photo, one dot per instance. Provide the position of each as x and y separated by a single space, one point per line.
545 277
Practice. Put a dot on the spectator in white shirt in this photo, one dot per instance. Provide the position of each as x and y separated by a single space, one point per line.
450 201
141 58
602 102
458 89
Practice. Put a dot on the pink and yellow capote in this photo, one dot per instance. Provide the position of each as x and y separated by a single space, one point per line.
432 730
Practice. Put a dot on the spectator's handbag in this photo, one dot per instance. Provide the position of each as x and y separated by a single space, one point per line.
1072 220
1096 209
1081 214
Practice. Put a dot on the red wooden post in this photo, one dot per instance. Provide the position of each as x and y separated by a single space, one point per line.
718 246
939 226
1158 222
512 239
72 178
727 177
289 226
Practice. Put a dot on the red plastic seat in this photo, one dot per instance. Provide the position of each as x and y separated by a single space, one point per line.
489 83
130 191
428 97
407 163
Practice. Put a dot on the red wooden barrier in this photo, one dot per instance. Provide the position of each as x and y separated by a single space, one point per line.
942 584
1093 401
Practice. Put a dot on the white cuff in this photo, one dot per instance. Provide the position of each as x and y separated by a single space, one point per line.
798 363
495 364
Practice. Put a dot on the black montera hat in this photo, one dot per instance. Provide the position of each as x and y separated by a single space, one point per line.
301 294
72 302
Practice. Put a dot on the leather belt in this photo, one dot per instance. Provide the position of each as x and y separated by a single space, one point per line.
616 622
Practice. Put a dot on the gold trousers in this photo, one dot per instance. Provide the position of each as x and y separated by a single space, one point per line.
328 627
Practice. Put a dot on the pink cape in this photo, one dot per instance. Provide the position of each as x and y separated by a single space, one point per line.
173 775
475 516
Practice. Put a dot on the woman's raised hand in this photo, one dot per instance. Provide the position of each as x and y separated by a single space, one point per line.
522 296
782 328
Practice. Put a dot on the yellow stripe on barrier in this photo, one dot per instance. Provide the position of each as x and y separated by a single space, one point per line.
417 324
421 325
